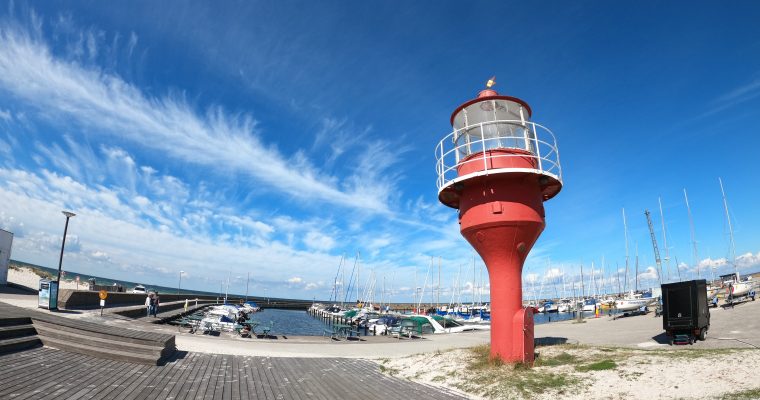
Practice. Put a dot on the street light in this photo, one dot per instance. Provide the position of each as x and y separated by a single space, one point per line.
180 281
68 215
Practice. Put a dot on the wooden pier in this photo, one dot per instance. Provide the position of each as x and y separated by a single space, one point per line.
44 356
46 373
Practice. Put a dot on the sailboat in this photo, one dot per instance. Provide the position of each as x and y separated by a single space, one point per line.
633 300
735 287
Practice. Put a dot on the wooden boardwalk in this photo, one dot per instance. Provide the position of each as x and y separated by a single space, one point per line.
47 373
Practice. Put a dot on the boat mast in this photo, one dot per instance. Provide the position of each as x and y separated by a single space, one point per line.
693 235
227 290
334 295
438 300
625 233
664 238
593 281
358 282
382 295
583 289
473 281
601 278
730 228
678 269
637 267
247 281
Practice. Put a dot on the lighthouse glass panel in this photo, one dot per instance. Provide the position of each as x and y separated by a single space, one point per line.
492 124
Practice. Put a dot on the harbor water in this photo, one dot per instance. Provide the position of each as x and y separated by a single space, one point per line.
300 323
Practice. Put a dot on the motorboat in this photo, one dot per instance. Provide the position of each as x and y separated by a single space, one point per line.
139 289
589 305
250 307
550 306
565 305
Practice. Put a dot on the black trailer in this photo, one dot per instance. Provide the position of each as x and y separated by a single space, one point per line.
686 314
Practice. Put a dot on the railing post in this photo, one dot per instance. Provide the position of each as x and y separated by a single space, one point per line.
483 145
538 148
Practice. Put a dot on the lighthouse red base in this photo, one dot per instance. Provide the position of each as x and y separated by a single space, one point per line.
502 216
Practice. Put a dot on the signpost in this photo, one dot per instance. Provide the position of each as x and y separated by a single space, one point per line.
103 295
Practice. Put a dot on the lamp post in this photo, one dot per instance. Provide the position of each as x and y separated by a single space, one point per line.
179 286
68 215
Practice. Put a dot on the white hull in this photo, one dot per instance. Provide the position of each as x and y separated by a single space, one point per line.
632 304
740 289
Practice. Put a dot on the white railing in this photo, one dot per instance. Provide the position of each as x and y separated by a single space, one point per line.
533 140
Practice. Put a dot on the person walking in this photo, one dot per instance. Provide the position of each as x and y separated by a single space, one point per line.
148 303
155 305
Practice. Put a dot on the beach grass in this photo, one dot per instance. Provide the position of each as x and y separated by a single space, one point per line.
751 394
597 366
499 380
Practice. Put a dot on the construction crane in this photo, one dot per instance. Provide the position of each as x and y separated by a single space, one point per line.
657 259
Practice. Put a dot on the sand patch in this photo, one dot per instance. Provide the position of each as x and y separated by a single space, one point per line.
584 372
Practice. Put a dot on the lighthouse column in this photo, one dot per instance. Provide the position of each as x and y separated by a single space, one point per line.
502 218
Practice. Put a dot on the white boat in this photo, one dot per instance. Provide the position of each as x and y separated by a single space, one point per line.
550 307
250 307
632 302
139 289
589 305
565 305
735 287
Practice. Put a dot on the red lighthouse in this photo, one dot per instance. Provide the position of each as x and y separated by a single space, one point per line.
497 168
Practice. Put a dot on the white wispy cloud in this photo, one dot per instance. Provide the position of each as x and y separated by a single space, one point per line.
109 105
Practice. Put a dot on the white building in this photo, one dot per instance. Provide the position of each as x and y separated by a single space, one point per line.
6 240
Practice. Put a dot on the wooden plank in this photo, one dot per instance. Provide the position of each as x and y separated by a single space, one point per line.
61 374
26 380
332 372
108 386
291 377
82 384
172 378
151 382
235 380
183 368
124 386
191 391
18 363
268 376
207 376
221 380
302 375
269 386
253 381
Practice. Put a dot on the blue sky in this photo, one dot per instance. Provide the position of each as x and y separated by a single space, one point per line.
273 138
